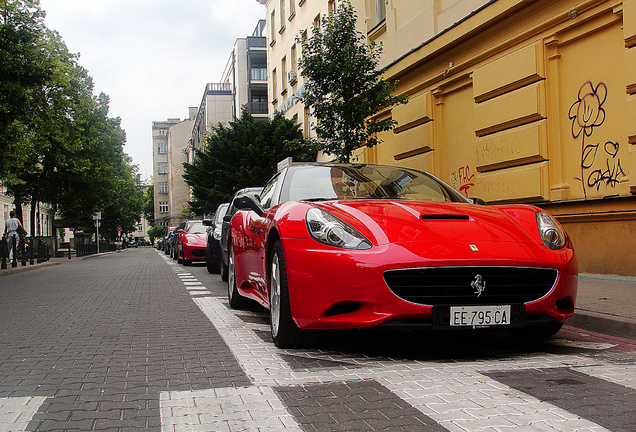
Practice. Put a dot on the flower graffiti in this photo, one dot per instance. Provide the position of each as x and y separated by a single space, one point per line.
586 114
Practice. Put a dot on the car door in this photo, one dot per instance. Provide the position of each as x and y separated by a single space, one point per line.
257 231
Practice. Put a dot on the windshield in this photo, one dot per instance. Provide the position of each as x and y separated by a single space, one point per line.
197 228
218 217
330 182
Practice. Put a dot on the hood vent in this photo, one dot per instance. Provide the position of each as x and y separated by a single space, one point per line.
444 217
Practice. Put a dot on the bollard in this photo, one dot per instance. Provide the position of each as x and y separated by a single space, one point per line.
4 251
39 249
23 249
31 250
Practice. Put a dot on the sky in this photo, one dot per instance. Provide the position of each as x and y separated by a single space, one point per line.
153 58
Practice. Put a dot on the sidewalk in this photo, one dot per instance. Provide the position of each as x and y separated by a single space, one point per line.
605 303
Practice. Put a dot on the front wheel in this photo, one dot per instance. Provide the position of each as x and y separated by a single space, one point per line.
285 332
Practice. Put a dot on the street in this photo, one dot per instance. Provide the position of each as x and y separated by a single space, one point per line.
134 341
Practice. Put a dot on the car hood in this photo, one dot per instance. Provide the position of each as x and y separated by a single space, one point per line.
403 221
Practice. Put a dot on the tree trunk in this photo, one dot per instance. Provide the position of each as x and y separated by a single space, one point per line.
17 202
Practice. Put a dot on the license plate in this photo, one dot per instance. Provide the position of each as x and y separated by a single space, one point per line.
479 316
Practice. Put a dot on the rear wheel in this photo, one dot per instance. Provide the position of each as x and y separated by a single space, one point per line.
235 299
285 332
212 268
223 270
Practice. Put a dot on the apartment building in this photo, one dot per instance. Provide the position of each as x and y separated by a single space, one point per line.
246 72
170 140
244 82
216 106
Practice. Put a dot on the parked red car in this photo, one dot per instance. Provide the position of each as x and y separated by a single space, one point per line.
337 246
192 243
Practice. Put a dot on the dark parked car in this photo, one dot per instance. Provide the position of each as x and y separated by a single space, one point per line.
213 249
253 192
167 240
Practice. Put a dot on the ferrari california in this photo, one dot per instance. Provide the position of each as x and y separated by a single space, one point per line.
341 246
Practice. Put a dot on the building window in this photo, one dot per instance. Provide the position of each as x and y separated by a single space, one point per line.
162 147
162 168
292 8
293 65
274 90
282 14
332 7
259 104
258 74
283 78
272 23
163 187
163 207
380 11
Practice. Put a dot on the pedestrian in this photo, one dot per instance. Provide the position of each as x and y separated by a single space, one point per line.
13 229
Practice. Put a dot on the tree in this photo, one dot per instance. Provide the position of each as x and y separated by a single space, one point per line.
148 205
344 87
243 153
57 143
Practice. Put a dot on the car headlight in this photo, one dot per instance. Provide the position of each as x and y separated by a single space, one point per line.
551 232
192 239
217 233
328 229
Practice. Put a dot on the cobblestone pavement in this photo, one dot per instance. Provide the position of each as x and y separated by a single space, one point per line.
134 341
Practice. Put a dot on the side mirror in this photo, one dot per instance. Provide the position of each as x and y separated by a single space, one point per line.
207 222
478 201
247 202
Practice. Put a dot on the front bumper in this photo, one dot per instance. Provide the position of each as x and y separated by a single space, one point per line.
339 289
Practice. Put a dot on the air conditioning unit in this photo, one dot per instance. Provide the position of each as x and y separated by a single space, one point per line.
291 76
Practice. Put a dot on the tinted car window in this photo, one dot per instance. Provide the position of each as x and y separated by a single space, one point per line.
220 212
268 192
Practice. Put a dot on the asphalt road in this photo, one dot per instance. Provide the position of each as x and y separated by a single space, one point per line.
134 341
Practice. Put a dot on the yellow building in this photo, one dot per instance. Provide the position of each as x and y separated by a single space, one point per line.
517 101
523 101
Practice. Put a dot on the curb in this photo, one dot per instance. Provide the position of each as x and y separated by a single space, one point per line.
21 269
602 323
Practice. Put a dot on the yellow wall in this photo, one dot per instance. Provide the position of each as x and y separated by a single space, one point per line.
523 101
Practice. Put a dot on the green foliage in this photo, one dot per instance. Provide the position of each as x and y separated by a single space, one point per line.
57 143
148 204
344 87
157 231
243 153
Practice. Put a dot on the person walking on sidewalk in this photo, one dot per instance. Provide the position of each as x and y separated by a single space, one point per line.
13 228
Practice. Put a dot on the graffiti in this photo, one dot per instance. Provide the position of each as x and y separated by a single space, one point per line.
587 113
610 175
461 179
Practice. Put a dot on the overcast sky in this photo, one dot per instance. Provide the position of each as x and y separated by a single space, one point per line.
152 57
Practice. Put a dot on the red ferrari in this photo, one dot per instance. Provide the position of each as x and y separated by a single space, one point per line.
193 243
340 246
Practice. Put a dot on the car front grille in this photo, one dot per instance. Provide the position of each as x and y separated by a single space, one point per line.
461 285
